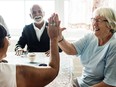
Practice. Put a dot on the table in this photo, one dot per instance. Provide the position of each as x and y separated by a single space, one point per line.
65 74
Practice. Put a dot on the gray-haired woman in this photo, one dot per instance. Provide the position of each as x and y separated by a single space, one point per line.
97 51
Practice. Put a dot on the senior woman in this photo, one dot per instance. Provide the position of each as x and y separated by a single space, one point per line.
27 76
97 51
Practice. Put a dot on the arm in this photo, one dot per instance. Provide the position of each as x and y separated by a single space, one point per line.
21 43
28 76
67 47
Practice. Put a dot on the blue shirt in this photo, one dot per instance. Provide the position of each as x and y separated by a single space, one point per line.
99 62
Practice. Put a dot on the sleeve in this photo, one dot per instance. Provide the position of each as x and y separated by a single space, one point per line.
81 44
22 40
8 75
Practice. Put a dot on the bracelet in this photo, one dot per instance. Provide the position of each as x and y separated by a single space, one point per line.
61 39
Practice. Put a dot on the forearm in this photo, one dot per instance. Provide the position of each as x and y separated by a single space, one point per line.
17 47
101 84
54 54
67 47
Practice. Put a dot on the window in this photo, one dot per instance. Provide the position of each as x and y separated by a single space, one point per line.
73 14
16 13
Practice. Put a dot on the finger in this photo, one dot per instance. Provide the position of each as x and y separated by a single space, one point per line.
56 19
51 18
19 52
63 28
59 23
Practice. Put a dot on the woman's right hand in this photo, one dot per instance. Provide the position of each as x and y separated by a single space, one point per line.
60 36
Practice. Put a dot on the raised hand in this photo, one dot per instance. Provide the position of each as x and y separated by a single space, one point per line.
53 26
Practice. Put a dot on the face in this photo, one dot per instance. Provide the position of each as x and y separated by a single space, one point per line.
37 14
100 27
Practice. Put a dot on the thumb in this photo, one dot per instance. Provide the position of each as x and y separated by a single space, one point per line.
62 29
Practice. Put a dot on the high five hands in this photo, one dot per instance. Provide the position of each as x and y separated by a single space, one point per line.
54 23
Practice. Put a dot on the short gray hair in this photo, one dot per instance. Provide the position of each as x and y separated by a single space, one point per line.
109 14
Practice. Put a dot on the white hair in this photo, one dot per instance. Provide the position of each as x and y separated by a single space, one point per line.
109 14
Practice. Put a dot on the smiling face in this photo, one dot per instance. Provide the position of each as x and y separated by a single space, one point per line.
37 14
104 23
100 27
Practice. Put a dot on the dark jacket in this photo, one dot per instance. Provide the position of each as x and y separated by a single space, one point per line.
30 39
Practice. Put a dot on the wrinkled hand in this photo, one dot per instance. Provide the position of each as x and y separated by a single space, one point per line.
19 51
55 22
53 26
60 36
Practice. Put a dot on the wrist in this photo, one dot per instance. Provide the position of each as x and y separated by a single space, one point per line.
61 39
19 48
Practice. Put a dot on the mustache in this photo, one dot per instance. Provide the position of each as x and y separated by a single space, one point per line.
38 17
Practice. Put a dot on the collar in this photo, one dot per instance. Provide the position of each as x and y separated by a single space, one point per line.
42 28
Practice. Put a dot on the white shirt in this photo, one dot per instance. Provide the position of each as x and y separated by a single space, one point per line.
7 75
39 31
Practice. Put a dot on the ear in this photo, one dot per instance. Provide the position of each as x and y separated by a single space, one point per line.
43 13
31 16
112 25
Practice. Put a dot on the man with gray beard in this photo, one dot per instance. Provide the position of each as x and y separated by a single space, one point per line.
35 34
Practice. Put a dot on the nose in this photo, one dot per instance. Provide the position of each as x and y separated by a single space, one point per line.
37 13
94 25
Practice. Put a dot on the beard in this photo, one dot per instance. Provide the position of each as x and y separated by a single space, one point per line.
38 19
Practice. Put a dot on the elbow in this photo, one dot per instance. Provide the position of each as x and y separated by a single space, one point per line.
55 73
71 52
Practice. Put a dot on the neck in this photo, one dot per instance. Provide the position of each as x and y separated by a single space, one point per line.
39 25
103 41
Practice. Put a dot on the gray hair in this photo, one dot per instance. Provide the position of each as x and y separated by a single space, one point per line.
37 6
109 14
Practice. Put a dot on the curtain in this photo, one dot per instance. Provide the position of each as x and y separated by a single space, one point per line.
80 11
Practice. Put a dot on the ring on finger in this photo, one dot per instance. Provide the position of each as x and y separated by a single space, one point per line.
53 24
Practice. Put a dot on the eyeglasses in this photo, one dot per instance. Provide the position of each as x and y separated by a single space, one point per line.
98 20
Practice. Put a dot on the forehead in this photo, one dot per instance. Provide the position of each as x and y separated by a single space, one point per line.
98 17
36 8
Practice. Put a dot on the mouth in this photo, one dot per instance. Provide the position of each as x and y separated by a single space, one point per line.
38 17
96 29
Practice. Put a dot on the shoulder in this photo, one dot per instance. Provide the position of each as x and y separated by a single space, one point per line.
29 26
113 43
88 37
7 67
